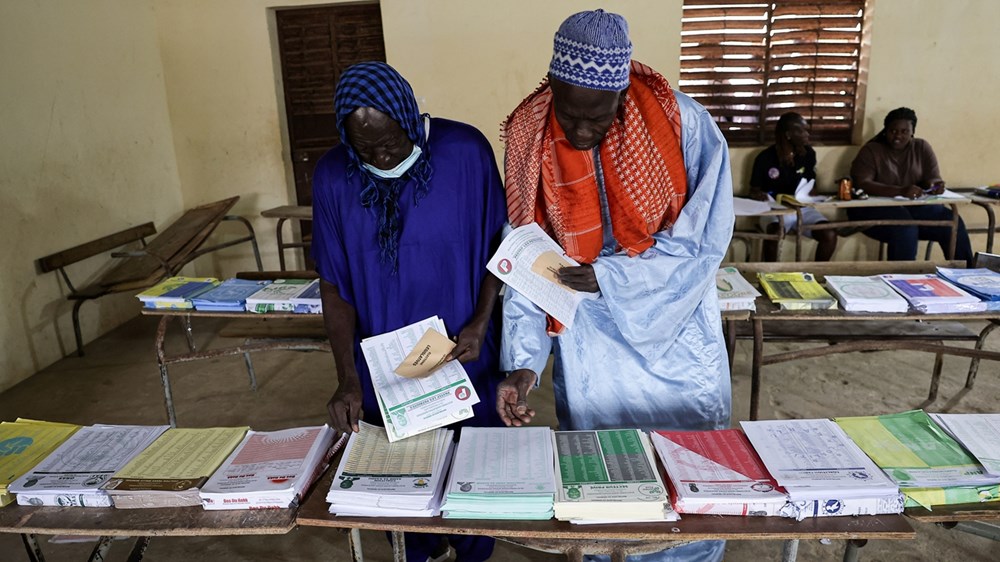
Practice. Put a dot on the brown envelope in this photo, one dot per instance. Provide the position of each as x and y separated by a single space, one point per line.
547 264
427 355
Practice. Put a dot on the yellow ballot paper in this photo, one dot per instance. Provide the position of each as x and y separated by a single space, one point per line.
23 444
179 457
548 264
427 355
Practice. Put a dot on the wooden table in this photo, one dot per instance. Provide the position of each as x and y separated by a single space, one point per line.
144 523
835 204
782 213
987 204
284 213
840 331
981 519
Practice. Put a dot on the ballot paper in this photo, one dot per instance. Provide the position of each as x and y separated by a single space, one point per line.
23 444
744 207
528 260
978 433
803 194
413 405
73 474
377 478
501 473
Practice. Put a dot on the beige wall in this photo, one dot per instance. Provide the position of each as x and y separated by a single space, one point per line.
85 151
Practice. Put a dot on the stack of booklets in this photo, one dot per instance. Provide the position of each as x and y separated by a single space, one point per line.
170 472
931 294
608 476
23 444
308 301
230 296
501 473
718 473
978 433
865 294
271 469
377 478
982 283
929 466
176 292
735 293
823 471
796 291
74 473
277 296
991 191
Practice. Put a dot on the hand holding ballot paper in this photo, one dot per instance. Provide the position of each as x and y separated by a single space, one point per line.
529 261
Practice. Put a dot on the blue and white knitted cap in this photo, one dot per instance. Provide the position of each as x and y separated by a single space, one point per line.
592 50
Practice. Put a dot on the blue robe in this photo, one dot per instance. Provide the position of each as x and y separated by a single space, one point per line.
647 353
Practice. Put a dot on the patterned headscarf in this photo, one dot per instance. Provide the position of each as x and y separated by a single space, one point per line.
377 85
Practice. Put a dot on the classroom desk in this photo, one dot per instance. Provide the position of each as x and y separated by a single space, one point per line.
836 204
288 212
748 236
987 204
982 519
143 523
886 331
617 540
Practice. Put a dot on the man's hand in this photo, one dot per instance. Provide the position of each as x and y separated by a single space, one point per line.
579 278
512 397
936 188
912 192
468 343
757 194
345 406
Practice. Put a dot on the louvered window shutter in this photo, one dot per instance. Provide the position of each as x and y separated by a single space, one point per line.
748 62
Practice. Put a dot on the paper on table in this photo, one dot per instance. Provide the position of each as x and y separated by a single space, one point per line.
744 207
979 433
517 263
184 453
946 194
426 356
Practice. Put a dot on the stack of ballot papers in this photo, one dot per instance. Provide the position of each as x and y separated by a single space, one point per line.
823 471
377 478
796 291
230 296
978 433
171 470
23 444
931 294
865 294
803 194
608 476
745 207
416 390
735 293
74 473
176 292
271 469
982 282
501 473
930 467
277 296
308 301
718 473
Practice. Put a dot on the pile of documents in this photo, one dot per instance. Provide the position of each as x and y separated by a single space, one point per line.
933 295
169 472
308 301
501 473
23 443
929 466
271 469
796 291
176 292
377 478
982 283
978 433
74 473
735 293
416 389
803 194
608 476
230 296
277 296
822 470
718 473
865 294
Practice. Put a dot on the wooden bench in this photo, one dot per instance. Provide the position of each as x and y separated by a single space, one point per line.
164 256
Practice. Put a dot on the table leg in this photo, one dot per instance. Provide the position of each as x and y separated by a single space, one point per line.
974 364
790 550
34 550
186 322
758 351
281 246
398 547
730 326
798 234
992 224
161 360
101 549
574 554
851 550
354 540
935 377
139 549
250 372
953 241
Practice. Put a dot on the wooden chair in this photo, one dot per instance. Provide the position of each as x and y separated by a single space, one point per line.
164 256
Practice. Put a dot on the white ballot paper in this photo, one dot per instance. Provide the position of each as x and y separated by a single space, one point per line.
527 261
412 406
978 433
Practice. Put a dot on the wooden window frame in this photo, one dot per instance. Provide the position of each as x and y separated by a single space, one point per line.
749 61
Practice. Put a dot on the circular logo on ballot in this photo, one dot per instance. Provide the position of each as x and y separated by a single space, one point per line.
462 393
504 266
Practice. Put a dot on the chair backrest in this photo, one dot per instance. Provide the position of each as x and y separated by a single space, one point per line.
989 261
61 259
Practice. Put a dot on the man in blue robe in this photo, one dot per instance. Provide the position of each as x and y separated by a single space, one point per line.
406 212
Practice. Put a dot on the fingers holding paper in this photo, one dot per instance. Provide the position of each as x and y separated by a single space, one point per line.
579 278
468 343
512 397
345 406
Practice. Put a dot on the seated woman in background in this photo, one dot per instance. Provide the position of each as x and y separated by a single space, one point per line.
895 163
779 169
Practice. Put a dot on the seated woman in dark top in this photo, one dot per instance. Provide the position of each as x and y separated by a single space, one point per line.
779 169
895 163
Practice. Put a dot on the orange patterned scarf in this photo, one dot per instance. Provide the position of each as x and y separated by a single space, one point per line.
641 159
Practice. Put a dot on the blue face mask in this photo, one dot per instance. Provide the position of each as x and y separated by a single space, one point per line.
400 168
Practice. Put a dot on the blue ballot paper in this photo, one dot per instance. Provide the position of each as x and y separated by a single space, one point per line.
230 296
